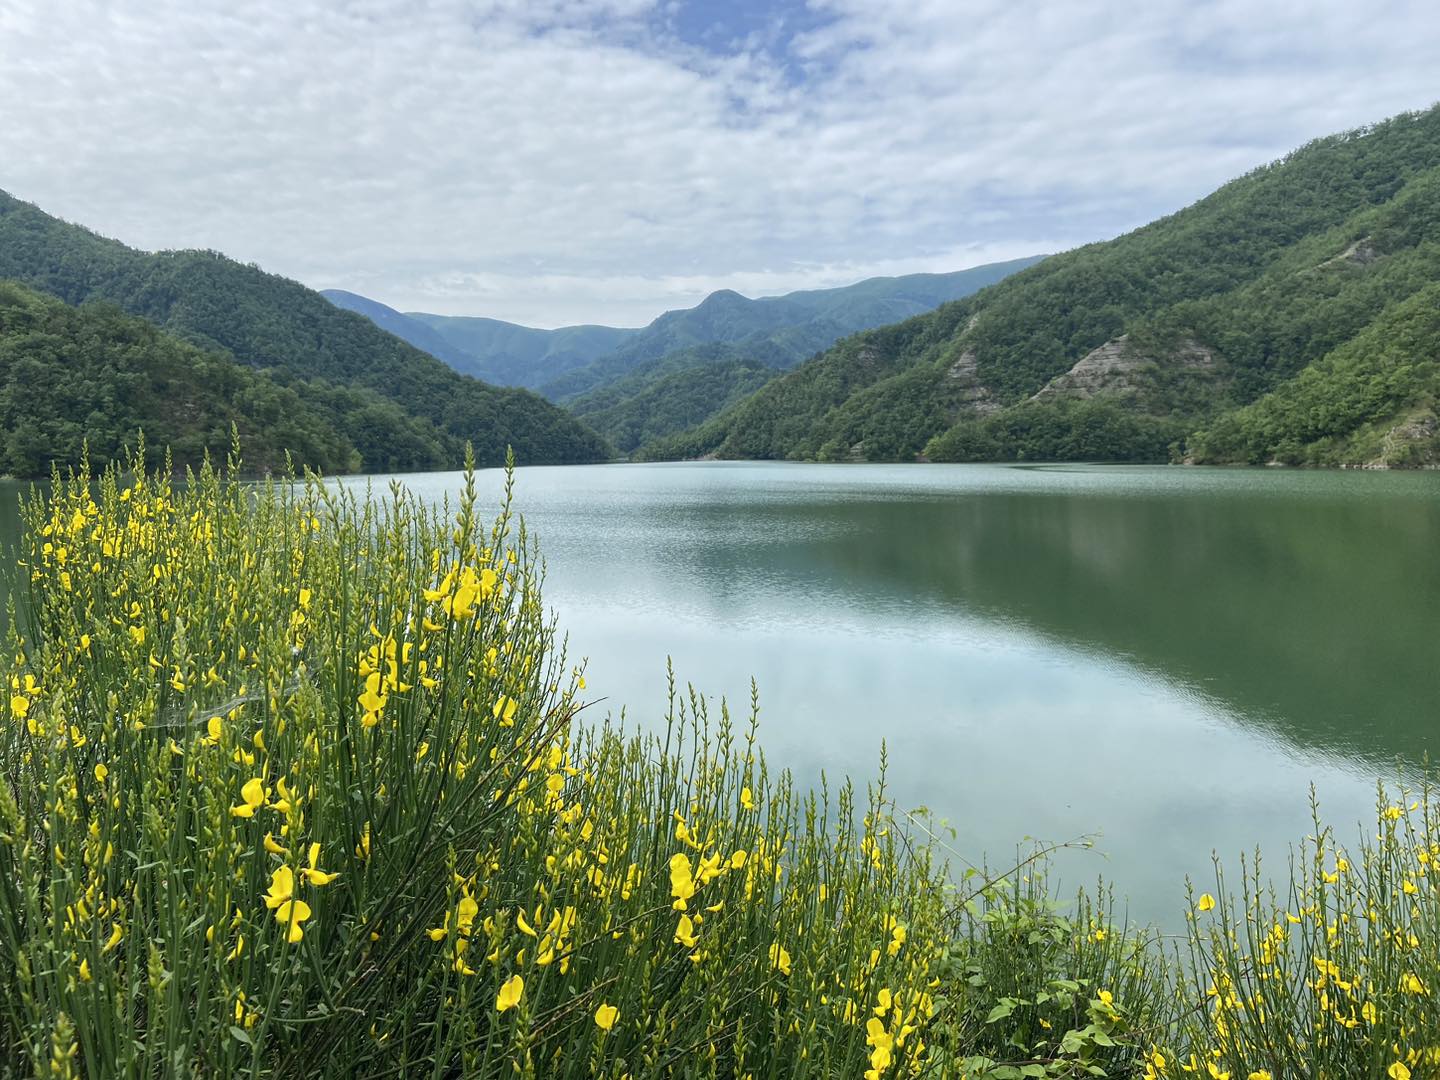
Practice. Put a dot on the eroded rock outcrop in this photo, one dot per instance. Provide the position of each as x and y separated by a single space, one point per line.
965 380
1118 369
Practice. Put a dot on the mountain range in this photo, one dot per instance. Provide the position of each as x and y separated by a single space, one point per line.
1291 317
634 385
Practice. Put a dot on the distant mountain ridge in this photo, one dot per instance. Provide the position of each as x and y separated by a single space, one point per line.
635 386
571 360
1293 316
398 406
513 355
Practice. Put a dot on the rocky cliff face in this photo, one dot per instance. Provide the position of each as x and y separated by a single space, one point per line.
1118 369
972 393
1413 442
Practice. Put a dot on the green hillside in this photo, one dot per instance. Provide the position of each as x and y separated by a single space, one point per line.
267 321
1187 337
672 394
71 376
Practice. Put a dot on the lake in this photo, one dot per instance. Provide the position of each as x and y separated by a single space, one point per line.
1167 658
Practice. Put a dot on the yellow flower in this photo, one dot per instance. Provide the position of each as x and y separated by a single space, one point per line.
465 913
897 940
1368 1013
373 700
1207 902
1398 1071
272 847
282 887
682 882
20 706
523 926
85 971
1260 1074
685 933
779 959
510 993
1411 984
504 710
101 772
313 874
253 794
747 800
605 1016
292 913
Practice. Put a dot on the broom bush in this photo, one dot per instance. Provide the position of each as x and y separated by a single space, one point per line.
294 781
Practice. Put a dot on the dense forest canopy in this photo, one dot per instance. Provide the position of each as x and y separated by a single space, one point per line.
400 407
92 375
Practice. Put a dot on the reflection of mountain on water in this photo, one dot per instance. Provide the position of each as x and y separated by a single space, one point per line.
1314 618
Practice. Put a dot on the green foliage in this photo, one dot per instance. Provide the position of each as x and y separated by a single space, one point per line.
72 377
1393 362
1093 429
670 395
266 321
1273 273
792 417
1035 988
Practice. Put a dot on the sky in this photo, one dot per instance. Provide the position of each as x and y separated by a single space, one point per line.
553 162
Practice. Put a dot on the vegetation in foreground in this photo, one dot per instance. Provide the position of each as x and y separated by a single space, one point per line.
292 784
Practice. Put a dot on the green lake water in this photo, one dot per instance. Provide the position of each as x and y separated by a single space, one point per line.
1168 658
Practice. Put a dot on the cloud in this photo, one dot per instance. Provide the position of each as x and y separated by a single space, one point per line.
603 160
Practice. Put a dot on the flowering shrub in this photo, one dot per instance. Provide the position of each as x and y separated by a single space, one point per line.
291 784
1337 977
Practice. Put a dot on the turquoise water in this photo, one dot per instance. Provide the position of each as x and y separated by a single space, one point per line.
1166 659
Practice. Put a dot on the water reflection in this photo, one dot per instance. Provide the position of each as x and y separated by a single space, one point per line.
1169 657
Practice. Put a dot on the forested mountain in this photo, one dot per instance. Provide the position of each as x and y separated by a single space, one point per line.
414 412
513 355
94 375
405 328
780 330
1290 316
671 394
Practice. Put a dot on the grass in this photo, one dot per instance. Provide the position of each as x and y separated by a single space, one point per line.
294 782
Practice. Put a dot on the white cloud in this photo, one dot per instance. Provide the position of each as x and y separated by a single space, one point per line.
572 160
